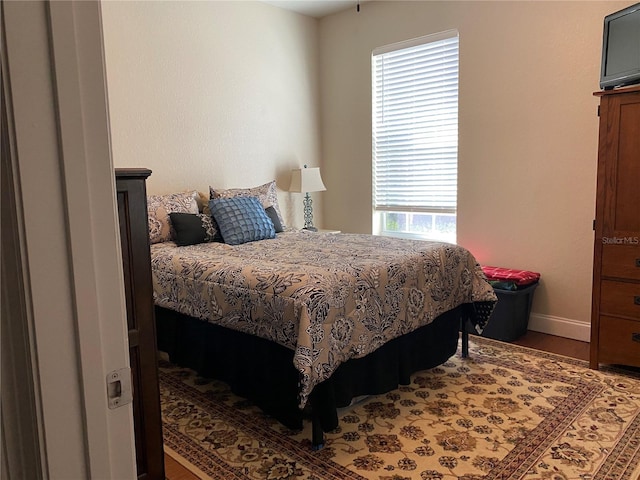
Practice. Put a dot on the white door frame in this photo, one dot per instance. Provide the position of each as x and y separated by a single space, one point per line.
68 247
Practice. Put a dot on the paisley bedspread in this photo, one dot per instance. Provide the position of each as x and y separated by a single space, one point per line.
329 297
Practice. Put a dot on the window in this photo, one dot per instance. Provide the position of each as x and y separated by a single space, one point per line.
415 137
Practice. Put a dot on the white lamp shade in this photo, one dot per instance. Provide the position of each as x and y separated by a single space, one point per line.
305 180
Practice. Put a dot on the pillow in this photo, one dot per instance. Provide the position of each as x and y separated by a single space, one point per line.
193 228
158 209
273 215
203 203
241 219
267 194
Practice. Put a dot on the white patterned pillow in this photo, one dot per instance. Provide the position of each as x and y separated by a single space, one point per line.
160 206
267 194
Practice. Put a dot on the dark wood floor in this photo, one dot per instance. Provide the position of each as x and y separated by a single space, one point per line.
553 344
174 471
537 340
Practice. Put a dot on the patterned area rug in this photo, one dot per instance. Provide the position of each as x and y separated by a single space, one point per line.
506 412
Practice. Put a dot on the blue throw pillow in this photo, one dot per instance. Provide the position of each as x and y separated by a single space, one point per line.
241 219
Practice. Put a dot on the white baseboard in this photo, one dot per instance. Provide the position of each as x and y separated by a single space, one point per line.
562 327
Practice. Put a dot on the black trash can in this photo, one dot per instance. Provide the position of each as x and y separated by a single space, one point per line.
510 318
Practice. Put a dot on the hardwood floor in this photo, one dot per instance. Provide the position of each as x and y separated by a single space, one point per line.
537 340
553 344
174 471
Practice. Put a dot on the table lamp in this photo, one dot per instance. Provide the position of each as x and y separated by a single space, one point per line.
306 180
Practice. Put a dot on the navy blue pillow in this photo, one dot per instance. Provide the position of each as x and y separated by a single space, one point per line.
241 219
273 215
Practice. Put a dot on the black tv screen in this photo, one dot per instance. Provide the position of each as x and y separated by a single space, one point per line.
621 48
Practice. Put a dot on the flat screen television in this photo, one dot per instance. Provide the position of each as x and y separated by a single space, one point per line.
621 48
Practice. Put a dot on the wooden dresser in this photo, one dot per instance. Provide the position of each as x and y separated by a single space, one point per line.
136 260
615 316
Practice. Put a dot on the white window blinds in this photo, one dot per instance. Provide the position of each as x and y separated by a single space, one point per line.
415 125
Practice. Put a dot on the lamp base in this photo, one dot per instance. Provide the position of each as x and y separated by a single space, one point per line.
308 214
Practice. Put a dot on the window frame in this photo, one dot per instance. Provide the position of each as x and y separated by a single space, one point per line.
380 212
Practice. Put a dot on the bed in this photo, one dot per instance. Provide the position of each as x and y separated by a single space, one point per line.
301 323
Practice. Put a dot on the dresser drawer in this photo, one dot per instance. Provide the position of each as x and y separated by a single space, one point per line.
621 261
619 341
620 298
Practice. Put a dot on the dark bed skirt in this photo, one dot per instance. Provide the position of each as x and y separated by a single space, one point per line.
263 371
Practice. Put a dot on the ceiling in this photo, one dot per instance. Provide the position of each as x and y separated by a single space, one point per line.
314 8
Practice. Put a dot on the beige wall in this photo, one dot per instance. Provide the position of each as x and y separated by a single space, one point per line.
528 131
216 93
231 94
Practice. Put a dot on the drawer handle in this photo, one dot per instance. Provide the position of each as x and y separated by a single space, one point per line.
638 262
636 299
635 337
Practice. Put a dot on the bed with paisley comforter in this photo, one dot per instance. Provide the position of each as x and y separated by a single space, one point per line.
304 322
